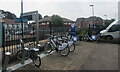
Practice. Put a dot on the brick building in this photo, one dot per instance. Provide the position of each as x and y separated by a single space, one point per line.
85 22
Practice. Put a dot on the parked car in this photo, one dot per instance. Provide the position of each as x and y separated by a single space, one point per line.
112 31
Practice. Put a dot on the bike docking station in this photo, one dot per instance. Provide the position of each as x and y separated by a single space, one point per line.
24 16
23 57
34 15
6 61
73 33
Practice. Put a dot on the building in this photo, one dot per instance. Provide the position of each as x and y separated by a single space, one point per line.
85 22
46 21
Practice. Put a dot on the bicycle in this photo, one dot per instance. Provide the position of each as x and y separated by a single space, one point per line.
71 41
93 38
54 44
26 53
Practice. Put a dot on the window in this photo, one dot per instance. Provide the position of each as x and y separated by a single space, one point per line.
114 28
47 23
65 23
43 23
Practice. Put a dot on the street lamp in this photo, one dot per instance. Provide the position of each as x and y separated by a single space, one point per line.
105 17
92 9
21 16
92 13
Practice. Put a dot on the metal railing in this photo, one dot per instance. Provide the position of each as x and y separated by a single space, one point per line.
12 37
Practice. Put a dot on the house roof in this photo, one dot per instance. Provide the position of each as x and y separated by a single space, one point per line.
49 19
88 19
67 20
80 19
9 21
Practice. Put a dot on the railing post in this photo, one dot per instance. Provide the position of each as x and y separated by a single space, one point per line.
5 65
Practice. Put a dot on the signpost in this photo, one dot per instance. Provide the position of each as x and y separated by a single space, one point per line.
34 17
30 15
2 39
72 30
1 34
1 29
18 20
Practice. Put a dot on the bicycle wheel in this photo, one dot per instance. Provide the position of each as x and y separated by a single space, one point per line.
37 61
20 54
65 51
48 48
72 47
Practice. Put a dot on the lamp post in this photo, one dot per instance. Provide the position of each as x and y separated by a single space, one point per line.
92 13
105 17
21 16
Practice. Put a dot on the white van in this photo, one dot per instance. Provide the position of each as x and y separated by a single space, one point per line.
112 31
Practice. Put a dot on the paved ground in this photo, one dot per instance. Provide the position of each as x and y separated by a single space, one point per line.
87 56
105 57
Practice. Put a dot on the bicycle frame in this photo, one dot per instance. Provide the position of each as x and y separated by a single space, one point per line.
54 45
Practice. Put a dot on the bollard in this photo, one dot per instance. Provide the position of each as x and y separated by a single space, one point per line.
7 57
45 50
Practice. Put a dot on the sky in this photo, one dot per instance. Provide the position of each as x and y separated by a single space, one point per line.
71 9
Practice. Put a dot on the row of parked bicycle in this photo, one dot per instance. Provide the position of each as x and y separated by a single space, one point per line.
63 44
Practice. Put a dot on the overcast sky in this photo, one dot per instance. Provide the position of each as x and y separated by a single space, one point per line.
71 9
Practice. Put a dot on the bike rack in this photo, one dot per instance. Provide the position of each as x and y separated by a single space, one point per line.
5 65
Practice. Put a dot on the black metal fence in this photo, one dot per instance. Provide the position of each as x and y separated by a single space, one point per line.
96 29
12 36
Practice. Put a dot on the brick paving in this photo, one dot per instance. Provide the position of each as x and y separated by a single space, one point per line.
73 61
105 57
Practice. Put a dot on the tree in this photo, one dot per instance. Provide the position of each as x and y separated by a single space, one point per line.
108 22
57 21
8 14
46 16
